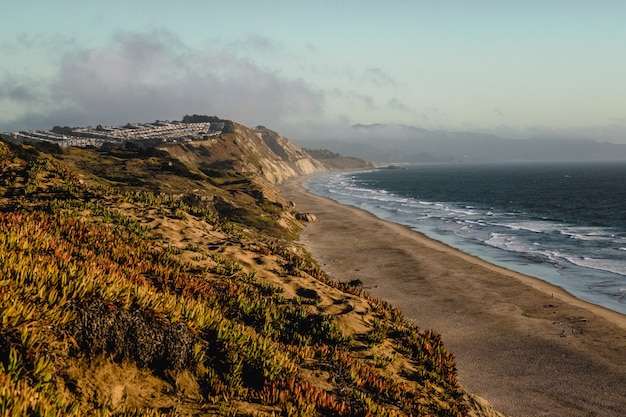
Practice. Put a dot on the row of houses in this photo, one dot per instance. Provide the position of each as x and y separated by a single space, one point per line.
139 133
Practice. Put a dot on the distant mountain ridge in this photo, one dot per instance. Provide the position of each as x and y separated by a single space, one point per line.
401 143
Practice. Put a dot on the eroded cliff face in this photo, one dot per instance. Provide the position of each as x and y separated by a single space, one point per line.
258 151
293 156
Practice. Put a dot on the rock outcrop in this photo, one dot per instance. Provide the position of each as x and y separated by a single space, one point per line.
306 217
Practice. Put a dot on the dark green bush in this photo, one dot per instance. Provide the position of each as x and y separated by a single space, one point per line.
151 341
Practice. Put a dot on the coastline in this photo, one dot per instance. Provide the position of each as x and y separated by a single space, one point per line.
526 346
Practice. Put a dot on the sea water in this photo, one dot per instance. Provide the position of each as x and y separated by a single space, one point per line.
564 223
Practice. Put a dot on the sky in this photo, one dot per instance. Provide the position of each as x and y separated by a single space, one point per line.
310 68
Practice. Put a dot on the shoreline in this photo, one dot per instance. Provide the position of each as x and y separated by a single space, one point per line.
578 273
525 345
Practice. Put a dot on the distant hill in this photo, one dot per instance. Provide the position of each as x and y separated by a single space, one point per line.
401 143
337 161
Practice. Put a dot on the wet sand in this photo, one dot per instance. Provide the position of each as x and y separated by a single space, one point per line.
528 347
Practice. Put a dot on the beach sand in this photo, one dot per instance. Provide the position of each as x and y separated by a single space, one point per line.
527 347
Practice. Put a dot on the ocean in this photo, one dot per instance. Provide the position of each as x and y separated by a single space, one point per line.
564 223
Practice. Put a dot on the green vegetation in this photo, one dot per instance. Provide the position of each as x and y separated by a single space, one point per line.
86 276
229 127
197 118
63 130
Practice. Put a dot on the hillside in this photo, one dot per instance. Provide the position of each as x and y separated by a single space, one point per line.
334 160
139 281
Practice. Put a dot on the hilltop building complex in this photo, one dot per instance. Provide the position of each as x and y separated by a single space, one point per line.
142 134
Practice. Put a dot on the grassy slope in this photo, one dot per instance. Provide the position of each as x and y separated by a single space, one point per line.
132 285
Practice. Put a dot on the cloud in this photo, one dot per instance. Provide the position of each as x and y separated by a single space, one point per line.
615 133
396 104
379 77
153 75
16 91
257 44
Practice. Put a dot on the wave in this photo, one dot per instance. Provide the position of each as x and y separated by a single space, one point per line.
615 266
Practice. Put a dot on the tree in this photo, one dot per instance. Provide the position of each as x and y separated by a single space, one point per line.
196 118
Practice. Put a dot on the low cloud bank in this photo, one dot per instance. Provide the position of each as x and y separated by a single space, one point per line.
143 76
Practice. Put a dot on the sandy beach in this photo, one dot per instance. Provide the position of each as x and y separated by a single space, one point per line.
527 347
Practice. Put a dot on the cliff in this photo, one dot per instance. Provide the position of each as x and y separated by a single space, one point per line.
259 151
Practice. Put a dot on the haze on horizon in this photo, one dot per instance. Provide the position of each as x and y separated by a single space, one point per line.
312 69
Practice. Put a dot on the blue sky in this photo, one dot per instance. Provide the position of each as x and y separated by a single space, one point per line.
514 68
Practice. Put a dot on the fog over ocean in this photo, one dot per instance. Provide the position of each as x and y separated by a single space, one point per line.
564 223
